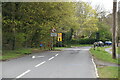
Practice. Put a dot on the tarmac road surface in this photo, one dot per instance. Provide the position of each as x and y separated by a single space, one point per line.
68 63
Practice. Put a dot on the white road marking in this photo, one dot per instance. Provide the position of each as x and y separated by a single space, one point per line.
40 56
40 64
56 55
37 57
33 57
96 72
51 58
23 74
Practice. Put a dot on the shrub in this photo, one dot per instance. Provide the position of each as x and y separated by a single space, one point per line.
83 41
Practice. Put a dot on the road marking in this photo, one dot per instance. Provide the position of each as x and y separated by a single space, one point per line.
56 55
40 64
40 56
23 73
33 57
37 56
51 58
95 68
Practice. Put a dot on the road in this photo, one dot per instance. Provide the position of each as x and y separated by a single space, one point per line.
109 51
68 63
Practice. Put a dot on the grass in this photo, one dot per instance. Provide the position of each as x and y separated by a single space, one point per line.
0 57
80 45
58 48
108 72
101 54
10 54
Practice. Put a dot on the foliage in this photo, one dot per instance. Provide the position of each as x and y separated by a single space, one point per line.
87 19
83 41
101 54
11 54
104 30
29 24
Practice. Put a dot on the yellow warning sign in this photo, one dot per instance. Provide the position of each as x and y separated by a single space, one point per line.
59 36
59 39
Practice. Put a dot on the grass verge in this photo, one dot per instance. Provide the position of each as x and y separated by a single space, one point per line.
11 54
59 48
80 45
108 72
101 54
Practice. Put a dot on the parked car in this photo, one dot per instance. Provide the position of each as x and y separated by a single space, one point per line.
99 44
108 43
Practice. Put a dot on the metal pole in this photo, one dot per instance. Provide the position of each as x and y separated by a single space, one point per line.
53 44
114 29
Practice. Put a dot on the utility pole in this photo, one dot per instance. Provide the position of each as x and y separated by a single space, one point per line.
114 29
118 29
119 6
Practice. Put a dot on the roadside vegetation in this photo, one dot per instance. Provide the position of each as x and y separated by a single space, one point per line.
101 54
11 54
106 71
81 45
26 25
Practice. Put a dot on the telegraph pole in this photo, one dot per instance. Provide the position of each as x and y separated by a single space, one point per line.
119 7
118 29
114 29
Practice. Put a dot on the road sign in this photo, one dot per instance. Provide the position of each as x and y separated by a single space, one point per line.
59 36
53 30
53 34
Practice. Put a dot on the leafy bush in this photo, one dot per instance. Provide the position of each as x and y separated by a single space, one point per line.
83 41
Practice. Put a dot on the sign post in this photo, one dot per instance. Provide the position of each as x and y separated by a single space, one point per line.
53 34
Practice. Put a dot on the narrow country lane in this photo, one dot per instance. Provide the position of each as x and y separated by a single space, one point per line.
68 63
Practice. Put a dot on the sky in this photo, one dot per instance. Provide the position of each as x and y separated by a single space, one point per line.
105 4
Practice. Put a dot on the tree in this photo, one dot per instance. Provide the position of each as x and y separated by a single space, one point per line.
33 22
87 20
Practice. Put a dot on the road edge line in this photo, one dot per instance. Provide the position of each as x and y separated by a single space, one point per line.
96 71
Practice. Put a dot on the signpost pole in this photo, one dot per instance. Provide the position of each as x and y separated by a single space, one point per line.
53 35
53 43
114 29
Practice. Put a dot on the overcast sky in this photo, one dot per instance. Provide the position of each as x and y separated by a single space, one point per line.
106 4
